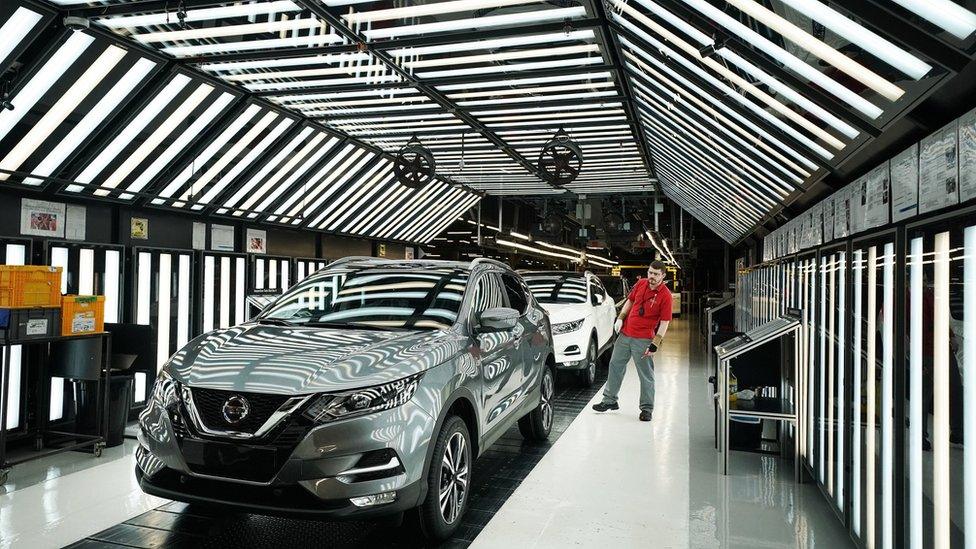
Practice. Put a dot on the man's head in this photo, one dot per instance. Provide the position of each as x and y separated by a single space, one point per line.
655 273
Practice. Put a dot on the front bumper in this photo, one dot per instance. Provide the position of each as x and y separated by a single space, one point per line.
291 501
570 349
307 480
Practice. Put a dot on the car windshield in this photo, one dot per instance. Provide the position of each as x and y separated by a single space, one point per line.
557 288
378 297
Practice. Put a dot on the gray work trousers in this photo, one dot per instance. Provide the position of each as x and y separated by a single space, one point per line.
624 349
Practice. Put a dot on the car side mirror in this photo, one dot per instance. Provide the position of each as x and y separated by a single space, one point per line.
497 319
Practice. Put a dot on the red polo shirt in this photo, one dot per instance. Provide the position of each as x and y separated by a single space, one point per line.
657 307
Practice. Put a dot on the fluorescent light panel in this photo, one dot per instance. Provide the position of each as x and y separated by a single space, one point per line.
486 22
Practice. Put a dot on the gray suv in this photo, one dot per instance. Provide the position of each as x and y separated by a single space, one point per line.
367 389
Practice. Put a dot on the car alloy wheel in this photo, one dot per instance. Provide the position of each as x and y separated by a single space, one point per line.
591 364
454 478
546 405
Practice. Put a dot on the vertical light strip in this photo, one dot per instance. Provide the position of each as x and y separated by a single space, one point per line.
259 274
144 287
56 410
829 388
887 399
208 293
240 309
940 423
110 285
871 378
224 292
822 386
969 385
183 303
16 254
13 385
915 417
811 277
86 272
285 275
841 349
856 421
59 258
163 300
301 271
273 273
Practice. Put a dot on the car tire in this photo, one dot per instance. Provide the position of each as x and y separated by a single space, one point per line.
537 424
438 522
587 376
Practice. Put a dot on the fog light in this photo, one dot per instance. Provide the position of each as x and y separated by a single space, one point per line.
573 363
375 499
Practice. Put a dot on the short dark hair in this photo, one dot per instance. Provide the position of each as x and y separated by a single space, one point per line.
658 265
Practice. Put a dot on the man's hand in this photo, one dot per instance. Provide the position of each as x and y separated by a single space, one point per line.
618 325
648 352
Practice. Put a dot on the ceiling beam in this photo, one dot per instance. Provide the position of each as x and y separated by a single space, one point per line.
336 22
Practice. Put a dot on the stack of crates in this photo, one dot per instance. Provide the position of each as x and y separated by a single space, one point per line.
30 302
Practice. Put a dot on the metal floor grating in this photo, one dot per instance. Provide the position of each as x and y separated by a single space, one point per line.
496 476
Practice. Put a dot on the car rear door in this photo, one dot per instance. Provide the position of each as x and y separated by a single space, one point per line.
605 312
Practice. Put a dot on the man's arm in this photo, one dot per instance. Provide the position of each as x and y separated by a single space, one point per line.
625 310
663 328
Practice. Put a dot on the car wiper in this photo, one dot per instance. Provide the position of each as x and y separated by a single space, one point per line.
354 326
274 322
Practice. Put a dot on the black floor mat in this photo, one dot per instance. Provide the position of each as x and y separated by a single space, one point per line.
496 476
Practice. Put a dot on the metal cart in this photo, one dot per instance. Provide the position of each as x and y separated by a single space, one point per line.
780 408
42 432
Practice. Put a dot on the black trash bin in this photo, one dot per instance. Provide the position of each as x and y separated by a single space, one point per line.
119 400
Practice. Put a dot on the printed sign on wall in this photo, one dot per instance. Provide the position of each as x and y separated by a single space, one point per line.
904 184
938 170
42 218
967 156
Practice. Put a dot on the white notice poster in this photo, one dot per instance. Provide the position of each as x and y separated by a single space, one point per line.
199 235
967 156
876 212
828 219
938 170
904 184
840 214
257 241
42 218
74 225
222 238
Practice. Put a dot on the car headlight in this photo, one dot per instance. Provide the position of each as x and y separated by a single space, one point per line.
330 407
566 327
165 390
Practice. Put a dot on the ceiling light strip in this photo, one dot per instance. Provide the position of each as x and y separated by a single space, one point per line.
806 41
311 153
200 14
300 173
502 56
351 194
62 108
758 135
950 16
733 77
252 45
132 130
731 93
15 29
513 67
800 67
866 39
270 27
490 21
493 44
261 148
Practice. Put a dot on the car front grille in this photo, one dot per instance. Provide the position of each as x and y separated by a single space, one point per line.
209 405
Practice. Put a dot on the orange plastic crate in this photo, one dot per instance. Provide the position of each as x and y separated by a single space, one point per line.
30 286
82 314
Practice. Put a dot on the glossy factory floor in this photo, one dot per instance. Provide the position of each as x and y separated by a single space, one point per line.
604 480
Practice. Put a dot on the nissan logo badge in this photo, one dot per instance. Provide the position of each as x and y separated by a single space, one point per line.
236 409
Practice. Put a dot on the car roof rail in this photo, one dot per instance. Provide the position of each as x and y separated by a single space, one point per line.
479 260
350 258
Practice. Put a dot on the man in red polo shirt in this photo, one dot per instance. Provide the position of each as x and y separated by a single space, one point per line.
641 325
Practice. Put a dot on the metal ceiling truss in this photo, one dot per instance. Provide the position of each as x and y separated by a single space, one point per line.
736 124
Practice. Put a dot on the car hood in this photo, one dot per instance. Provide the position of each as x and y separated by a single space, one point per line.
298 360
566 312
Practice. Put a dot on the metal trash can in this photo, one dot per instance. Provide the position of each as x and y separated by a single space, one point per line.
119 399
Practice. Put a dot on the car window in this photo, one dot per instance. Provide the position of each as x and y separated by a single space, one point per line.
557 288
421 298
516 293
488 293
597 292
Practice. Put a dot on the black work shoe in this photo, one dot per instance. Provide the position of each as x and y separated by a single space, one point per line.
603 407
645 415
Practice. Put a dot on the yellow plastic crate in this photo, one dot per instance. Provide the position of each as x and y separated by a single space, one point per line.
82 314
30 286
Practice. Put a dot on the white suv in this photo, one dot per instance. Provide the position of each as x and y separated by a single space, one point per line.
581 314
